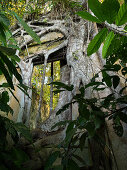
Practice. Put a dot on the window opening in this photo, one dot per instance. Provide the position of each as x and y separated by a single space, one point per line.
50 100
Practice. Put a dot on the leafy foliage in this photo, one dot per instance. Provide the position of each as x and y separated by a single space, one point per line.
122 15
93 112
87 16
11 158
97 41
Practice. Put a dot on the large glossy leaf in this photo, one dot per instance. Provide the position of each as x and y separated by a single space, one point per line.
88 16
107 43
28 29
97 41
96 8
122 15
110 9
114 46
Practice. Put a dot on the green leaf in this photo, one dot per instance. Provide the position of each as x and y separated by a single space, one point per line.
2 35
59 85
11 67
4 19
72 165
15 58
123 116
125 28
107 43
6 74
82 141
5 85
57 91
87 16
14 47
28 29
23 130
52 158
23 90
98 122
80 159
83 111
90 128
122 15
116 81
10 37
65 107
107 78
97 41
70 127
69 135
5 107
96 8
114 46
82 91
124 71
94 84
14 96
110 9
7 51
81 121
5 96
121 91
109 67
19 156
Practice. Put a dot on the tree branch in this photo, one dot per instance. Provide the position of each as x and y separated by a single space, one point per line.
116 29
